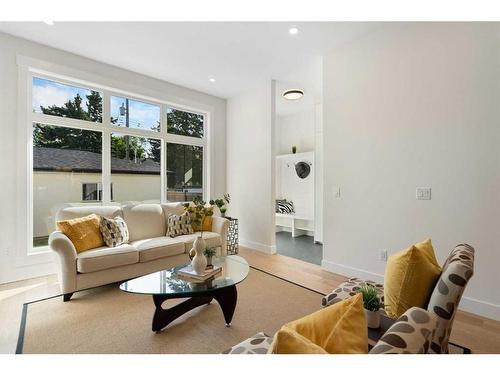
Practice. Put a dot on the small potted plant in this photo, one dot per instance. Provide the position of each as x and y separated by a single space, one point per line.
222 203
198 212
372 305
209 254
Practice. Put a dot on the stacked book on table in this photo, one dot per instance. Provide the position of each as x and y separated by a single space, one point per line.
187 273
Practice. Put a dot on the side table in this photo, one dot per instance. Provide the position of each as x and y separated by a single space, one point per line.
232 236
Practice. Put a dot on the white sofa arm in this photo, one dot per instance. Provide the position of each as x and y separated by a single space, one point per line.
221 225
66 252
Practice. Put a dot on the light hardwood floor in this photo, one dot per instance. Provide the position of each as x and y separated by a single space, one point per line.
480 334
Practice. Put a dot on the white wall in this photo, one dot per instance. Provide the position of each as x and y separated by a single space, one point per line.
250 165
318 176
415 105
11 170
295 129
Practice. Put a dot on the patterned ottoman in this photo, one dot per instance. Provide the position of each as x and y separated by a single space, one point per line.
257 344
350 288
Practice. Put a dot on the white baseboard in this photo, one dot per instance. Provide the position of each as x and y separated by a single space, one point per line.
472 305
349 271
27 272
483 308
268 249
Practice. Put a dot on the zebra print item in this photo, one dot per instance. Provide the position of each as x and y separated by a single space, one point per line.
284 207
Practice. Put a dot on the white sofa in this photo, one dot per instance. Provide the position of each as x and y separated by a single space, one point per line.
148 250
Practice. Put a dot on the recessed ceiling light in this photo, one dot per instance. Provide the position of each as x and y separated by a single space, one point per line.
212 80
293 31
293 94
50 23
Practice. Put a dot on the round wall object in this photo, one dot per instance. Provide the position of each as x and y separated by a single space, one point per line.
303 169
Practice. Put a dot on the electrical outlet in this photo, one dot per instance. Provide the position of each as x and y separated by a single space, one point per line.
423 193
382 255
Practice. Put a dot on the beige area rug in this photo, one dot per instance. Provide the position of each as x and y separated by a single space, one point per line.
107 320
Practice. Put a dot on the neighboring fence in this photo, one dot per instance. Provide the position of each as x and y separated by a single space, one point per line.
182 196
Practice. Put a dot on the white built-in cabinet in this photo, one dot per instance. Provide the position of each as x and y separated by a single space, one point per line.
291 187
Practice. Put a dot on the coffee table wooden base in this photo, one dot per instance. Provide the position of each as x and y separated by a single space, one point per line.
226 298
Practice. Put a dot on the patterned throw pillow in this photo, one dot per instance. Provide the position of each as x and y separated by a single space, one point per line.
284 207
114 231
179 225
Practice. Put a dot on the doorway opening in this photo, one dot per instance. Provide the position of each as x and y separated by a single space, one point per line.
298 172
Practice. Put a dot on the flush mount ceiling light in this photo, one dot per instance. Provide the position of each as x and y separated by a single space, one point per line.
293 94
212 80
293 31
50 23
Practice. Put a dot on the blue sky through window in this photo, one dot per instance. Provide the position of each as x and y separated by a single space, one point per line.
47 93
141 115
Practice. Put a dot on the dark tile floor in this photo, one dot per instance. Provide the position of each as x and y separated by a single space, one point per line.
302 247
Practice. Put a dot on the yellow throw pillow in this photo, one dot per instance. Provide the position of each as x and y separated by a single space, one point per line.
428 251
207 223
410 278
289 341
337 329
84 232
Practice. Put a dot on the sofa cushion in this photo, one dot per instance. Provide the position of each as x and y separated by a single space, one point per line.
84 232
172 209
106 257
73 212
158 247
144 221
211 239
257 344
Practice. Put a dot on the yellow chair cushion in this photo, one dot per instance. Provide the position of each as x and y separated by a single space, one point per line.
410 278
207 223
337 329
84 232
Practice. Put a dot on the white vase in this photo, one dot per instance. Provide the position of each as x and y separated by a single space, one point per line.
199 262
372 318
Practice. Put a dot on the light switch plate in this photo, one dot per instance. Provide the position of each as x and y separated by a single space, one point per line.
336 191
382 255
423 193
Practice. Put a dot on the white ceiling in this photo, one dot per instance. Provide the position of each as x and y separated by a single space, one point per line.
236 54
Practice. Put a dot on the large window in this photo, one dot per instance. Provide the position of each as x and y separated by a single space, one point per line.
132 155
134 114
63 160
92 191
135 168
57 99
185 123
184 172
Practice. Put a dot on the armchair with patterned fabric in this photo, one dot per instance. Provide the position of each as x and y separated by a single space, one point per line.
445 298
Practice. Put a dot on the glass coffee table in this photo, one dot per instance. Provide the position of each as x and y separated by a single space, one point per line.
164 285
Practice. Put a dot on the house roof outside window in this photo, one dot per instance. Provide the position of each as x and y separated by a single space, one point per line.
64 160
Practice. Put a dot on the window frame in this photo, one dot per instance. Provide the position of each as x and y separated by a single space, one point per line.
27 70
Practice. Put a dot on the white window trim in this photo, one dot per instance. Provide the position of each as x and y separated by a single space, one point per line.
27 69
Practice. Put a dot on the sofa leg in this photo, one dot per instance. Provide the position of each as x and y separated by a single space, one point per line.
67 297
